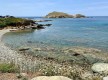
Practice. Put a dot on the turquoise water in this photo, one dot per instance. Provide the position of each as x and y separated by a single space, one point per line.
67 32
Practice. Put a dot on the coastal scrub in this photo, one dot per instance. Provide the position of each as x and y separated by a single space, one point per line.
15 22
8 68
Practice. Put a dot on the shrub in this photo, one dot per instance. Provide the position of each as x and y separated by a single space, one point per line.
24 79
10 68
15 22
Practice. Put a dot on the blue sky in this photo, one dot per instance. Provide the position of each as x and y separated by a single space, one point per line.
42 7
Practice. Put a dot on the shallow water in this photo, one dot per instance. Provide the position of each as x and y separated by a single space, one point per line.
86 32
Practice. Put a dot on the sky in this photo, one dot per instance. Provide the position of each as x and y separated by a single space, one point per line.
43 7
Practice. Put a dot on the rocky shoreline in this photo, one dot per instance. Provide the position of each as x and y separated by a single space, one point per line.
76 66
7 55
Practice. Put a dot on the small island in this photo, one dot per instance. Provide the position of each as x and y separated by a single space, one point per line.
63 15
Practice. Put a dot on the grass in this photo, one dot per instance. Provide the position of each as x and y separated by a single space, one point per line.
8 68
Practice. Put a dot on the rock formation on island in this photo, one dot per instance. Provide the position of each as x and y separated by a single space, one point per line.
63 15
58 15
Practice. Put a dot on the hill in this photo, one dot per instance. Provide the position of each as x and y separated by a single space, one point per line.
58 15
14 22
63 15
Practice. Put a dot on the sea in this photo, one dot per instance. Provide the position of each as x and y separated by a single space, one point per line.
91 32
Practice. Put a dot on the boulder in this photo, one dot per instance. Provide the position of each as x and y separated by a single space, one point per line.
40 78
100 68
105 78
51 78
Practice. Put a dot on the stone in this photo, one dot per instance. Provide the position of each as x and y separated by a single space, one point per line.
37 49
24 49
40 78
58 15
79 16
105 78
51 78
24 74
100 68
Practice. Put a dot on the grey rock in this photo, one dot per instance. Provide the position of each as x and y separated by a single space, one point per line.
100 68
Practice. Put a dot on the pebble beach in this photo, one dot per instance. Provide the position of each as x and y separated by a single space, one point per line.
10 56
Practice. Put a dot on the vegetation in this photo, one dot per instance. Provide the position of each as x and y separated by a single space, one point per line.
58 15
79 16
15 22
63 15
8 68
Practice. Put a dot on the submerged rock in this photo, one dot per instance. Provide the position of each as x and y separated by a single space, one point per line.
81 50
37 49
24 49
100 68
89 55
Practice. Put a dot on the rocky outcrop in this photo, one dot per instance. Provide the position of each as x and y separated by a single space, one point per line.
63 15
79 16
58 15
89 55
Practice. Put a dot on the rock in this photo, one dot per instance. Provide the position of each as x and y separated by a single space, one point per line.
86 75
24 49
105 78
47 24
40 78
51 78
92 59
21 75
79 16
59 78
42 20
37 49
24 74
81 50
76 54
100 68
40 26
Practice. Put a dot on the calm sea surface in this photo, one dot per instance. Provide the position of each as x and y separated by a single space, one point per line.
67 32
